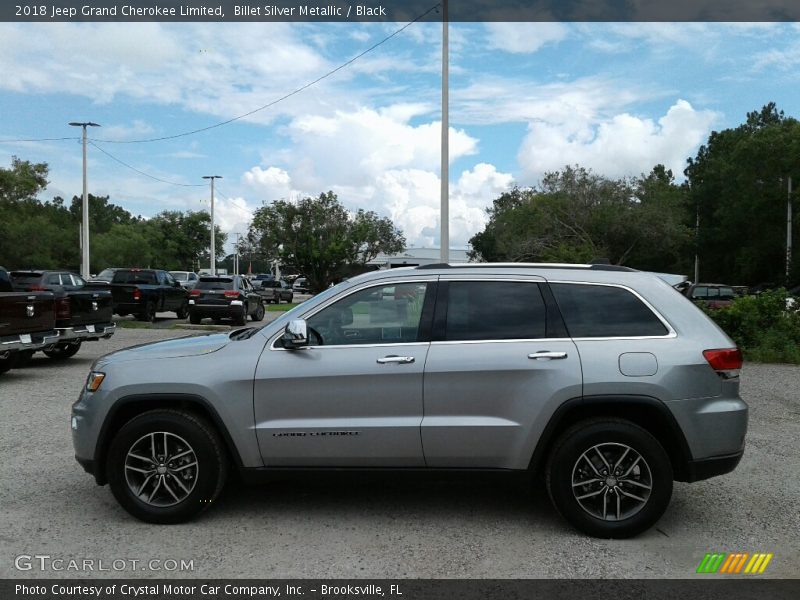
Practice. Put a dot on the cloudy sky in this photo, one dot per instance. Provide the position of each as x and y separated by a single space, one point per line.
525 99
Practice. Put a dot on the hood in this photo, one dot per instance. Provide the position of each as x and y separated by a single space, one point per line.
175 348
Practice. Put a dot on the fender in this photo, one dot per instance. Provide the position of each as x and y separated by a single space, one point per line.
153 401
646 411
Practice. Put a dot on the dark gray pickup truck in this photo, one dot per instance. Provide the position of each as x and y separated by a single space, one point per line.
27 322
143 292
82 313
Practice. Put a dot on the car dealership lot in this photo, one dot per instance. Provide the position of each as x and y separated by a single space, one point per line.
380 527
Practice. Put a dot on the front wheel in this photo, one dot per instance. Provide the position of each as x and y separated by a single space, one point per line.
62 351
166 466
609 478
182 311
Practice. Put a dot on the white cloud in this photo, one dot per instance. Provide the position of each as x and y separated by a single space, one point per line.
621 145
269 184
524 38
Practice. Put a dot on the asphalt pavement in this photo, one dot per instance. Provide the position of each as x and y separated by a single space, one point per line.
341 528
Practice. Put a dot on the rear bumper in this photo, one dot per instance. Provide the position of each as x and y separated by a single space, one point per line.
216 310
30 341
697 470
93 331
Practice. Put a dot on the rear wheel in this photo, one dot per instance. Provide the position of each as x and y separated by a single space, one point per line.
609 478
241 318
166 466
148 313
259 314
8 361
62 351
194 318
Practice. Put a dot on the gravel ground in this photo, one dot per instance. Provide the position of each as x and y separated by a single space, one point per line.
379 528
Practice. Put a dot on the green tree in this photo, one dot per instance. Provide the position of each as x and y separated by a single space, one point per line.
738 186
578 216
320 237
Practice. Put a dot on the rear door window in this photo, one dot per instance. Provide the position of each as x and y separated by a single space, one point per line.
605 311
494 310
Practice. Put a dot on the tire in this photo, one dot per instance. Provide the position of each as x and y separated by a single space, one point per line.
183 491
62 351
8 362
241 318
22 359
291 297
194 318
183 311
259 314
148 314
630 507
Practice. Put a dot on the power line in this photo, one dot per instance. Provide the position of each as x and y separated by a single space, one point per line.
282 98
233 203
57 139
124 164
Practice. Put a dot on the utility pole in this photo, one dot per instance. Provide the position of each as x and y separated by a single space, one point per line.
85 269
445 165
236 254
788 231
213 241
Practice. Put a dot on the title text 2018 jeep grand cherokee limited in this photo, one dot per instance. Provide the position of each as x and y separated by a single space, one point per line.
605 378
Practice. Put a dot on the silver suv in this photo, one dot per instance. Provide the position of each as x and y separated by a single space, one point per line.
604 378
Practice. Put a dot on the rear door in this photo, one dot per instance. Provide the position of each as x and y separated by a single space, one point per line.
500 363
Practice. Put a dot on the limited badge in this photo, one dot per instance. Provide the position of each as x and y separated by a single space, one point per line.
30 310
94 305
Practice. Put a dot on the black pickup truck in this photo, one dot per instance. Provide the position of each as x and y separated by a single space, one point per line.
27 322
143 292
82 313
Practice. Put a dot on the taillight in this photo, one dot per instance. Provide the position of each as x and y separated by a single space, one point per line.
231 294
724 360
137 294
37 288
62 308
195 292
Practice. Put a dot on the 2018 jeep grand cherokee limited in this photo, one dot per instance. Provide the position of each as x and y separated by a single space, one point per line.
605 378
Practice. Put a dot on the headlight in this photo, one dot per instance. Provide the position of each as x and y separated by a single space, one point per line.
94 381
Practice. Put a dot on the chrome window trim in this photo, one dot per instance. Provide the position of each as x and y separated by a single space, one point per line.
358 288
671 333
511 341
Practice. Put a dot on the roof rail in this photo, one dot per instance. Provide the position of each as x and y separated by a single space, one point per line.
519 265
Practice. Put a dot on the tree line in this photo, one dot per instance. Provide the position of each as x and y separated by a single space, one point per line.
736 187
46 235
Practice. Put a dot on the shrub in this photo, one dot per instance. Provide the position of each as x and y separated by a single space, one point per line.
762 326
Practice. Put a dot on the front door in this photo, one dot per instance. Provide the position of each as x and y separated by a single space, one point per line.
354 396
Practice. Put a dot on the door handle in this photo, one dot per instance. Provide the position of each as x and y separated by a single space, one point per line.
401 360
546 354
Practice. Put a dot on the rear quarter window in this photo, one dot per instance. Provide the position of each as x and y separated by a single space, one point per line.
605 311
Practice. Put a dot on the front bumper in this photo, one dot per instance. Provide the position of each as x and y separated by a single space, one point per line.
89 332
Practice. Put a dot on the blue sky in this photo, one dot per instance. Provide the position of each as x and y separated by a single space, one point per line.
525 99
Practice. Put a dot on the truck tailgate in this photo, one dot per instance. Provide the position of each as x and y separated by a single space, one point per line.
26 312
90 306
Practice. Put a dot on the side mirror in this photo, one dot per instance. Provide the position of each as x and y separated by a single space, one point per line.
296 334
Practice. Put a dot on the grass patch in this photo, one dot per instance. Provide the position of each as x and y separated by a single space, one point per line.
197 327
281 307
135 325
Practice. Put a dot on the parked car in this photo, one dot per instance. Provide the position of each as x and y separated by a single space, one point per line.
712 295
300 285
187 279
27 322
226 297
83 314
143 292
597 375
274 290
104 276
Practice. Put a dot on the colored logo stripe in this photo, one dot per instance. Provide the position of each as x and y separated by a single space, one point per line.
733 563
